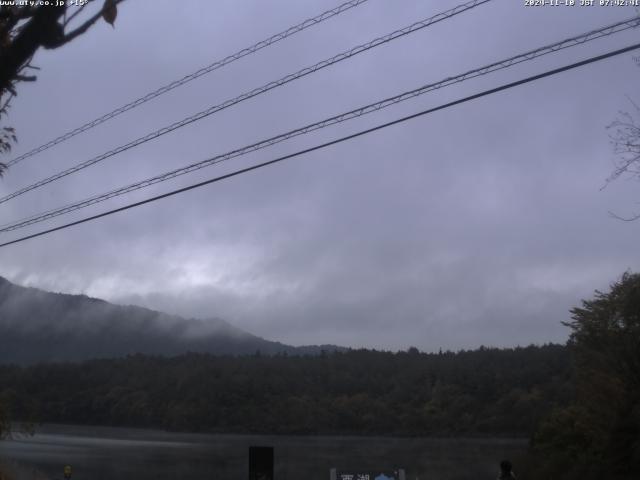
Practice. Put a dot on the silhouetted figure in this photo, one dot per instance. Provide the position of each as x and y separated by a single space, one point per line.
505 471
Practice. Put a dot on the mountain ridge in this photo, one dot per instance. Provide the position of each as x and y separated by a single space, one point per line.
41 326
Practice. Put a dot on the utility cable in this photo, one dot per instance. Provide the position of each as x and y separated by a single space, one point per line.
187 78
255 92
530 55
333 142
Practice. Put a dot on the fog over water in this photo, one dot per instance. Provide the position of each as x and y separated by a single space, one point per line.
102 453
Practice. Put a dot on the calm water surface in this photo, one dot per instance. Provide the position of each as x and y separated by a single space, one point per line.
103 453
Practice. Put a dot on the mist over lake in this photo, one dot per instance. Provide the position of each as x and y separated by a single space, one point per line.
104 453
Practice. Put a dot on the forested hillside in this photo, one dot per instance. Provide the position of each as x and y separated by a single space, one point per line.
40 326
486 391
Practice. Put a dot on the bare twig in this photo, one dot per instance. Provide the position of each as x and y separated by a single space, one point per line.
632 218
5 105
625 139
26 78
86 25
74 15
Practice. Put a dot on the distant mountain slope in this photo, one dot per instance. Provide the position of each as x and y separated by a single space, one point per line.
39 326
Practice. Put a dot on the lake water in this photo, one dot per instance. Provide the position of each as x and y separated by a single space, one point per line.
103 453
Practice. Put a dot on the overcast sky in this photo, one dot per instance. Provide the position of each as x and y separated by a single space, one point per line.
479 225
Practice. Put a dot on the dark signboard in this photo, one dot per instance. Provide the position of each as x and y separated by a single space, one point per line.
260 463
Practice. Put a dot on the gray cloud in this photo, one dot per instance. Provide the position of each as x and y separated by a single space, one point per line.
481 224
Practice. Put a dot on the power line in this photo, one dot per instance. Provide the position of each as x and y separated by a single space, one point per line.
333 142
373 107
257 91
187 78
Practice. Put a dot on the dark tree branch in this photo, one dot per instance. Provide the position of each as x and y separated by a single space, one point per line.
80 30
42 29
87 24
25 29
14 16
5 105
75 14
26 78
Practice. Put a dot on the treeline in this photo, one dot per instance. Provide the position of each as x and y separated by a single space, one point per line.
580 403
484 392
